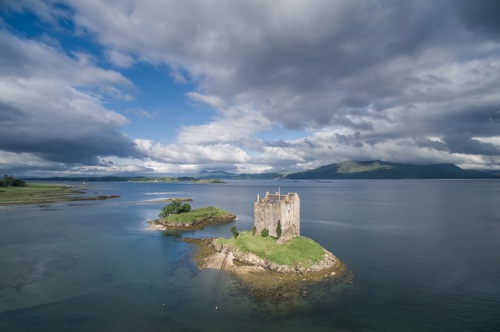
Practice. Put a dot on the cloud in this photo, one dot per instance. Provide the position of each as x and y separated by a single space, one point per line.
394 80
191 153
51 104
47 11
143 114
178 77
120 59
480 17
306 60
28 163
212 101
232 125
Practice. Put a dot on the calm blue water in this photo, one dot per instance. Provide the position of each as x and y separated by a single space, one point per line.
425 256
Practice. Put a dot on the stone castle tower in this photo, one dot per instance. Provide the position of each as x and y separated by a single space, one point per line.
276 207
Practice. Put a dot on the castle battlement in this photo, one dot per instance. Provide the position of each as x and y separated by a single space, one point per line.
274 208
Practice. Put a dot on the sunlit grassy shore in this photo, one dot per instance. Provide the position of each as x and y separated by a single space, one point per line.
43 193
300 250
195 219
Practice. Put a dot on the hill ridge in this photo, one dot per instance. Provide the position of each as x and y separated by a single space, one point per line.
377 169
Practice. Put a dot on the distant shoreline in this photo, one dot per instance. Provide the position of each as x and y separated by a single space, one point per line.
45 194
61 200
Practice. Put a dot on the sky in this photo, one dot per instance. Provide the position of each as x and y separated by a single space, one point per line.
157 87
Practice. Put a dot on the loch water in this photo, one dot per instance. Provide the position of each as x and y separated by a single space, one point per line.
424 255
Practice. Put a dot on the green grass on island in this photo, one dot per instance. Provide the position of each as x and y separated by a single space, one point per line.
34 193
207 181
300 250
198 215
44 194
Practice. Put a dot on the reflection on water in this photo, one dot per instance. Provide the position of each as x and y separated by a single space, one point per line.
424 255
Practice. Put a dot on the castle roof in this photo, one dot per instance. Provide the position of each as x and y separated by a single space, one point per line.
275 198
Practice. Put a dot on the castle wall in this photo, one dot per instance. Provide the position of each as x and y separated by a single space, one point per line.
290 220
273 208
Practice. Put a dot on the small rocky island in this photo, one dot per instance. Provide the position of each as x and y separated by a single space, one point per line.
272 255
179 216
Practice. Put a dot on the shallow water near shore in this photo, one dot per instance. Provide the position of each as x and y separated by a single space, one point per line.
424 255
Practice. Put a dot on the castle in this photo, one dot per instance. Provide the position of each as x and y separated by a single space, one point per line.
274 208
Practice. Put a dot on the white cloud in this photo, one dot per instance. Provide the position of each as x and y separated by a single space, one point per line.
45 10
120 59
143 114
192 154
236 124
178 77
25 161
492 140
212 101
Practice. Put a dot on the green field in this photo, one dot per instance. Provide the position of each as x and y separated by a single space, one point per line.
36 193
207 181
196 215
350 167
300 250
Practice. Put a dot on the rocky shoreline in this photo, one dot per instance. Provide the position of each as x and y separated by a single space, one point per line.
249 259
264 278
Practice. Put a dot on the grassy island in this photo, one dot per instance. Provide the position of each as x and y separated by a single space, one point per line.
43 194
300 250
207 181
195 219
273 272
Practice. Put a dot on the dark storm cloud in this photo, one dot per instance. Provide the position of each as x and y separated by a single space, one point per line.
20 134
474 118
351 140
84 150
10 114
331 58
51 105
460 143
463 143
481 16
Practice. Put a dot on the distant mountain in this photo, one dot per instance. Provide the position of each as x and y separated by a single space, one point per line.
377 169
87 178
200 176
218 174
259 176
495 173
